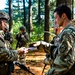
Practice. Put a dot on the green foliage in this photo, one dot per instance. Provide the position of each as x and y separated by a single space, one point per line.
13 45
16 26
37 34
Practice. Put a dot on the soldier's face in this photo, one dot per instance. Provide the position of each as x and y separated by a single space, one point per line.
58 20
22 31
3 24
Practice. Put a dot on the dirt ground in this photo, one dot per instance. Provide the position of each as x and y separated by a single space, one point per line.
34 62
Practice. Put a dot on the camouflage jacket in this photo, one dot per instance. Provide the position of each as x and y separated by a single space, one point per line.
64 53
8 36
22 39
7 55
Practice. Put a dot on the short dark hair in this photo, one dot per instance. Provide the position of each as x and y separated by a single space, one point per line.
63 8
22 28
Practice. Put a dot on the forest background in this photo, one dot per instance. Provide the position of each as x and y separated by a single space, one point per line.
36 15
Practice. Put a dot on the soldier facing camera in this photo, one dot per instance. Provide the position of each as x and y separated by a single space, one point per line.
6 55
22 37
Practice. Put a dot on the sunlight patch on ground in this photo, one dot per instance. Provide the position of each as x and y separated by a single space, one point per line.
35 58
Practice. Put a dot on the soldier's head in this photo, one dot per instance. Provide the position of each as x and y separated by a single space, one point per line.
4 17
22 28
62 13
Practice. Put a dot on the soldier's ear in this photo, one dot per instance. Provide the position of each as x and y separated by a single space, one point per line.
64 16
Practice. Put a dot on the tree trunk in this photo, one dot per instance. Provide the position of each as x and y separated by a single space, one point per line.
30 17
38 12
10 14
46 27
24 20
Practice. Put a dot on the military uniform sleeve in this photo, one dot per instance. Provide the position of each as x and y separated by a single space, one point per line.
26 37
7 55
64 59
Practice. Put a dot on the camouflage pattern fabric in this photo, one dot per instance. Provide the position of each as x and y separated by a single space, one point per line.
8 45
6 56
64 53
8 36
22 39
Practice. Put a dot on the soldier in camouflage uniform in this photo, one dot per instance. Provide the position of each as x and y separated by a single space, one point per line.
22 39
63 55
6 56
8 37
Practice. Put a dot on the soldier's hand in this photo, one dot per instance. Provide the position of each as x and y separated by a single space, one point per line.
34 44
42 43
22 50
38 43
22 36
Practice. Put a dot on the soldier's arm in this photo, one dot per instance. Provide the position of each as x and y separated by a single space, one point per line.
7 55
48 47
64 59
25 37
